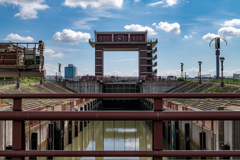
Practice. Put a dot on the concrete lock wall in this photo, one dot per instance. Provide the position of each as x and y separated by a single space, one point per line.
196 128
84 86
159 87
42 141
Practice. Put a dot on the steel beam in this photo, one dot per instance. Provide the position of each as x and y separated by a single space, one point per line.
129 115
125 95
183 153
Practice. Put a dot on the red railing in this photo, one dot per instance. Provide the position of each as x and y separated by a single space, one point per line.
157 116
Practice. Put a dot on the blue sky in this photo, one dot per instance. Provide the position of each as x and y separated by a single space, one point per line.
183 29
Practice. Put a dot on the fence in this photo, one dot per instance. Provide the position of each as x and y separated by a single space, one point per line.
157 116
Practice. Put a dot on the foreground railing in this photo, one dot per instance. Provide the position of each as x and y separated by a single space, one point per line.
157 116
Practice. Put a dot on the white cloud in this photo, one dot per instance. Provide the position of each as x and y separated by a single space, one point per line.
82 24
231 23
174 28
94 3
28 8
68 36
156 3
59 55
52 69
136 1
85 72
48 51
118 73
168 3
138 27
194 32
193 72
18 38
187 37
229 32
208 37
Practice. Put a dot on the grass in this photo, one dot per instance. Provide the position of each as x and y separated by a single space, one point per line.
6 100
227 81
209 99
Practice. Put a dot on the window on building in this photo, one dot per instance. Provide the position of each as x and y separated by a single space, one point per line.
104 39
115 38
107 38
100 38
137 38
140 38
126 39
133 38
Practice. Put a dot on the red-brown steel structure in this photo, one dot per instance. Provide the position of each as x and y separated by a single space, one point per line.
157 116
125 41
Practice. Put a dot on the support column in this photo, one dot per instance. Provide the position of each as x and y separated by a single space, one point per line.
217 63
18 130
99 63
157 129
143 63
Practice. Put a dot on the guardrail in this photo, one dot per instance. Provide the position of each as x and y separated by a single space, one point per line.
157 116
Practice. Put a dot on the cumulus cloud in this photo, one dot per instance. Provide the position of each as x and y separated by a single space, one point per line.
82 24
94 3
18 38
187 37
138 27
118 73
229 32
174 28
231 23
167 3
59 55
48 51
28 8
208 37
68 36
52 69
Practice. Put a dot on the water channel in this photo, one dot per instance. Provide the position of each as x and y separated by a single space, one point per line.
114 135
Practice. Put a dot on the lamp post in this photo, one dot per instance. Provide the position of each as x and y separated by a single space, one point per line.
222 59
182 70
59 70
200 80
217 48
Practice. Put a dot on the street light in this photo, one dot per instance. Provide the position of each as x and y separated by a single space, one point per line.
222 59
200 81
59 70
182 70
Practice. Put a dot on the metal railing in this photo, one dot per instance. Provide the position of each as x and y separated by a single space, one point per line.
157 116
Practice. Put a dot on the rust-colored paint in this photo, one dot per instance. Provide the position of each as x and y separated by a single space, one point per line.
120 153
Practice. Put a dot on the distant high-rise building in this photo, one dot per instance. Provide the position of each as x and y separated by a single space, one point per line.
70 71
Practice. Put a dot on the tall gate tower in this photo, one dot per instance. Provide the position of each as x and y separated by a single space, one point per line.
125 41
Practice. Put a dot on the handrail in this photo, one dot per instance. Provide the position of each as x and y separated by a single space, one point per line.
127 115
157 116
125 95
164 153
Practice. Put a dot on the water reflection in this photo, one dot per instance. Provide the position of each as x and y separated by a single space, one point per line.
113 135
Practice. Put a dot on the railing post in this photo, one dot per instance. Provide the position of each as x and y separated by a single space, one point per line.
18 140
157 129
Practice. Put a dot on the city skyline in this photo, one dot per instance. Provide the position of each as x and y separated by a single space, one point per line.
183 28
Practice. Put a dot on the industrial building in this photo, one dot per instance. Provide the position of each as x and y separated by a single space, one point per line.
22 59
70 71
126 41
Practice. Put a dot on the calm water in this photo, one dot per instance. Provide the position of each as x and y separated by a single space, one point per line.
114 135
